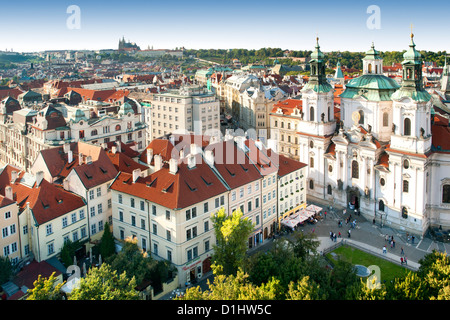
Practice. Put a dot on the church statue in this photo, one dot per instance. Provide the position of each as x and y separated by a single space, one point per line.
322 116
422 132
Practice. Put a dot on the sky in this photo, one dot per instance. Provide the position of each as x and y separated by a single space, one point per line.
29 26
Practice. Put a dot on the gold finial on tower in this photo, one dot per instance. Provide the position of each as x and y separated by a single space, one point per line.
412 34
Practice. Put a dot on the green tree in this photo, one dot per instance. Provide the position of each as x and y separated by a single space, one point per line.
234 287
107 245
410 287
304 289
46 289
232 232
6 269
104 283
68 252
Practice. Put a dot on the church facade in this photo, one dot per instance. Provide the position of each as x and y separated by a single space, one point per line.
389 153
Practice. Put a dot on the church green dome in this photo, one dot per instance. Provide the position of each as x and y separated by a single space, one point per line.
374 87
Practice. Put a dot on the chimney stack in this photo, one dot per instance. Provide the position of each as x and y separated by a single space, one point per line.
80 158
114 149
89 159
191 161
209 157
70 156
136 174
119 146
193 149
173 166
158 162
9 192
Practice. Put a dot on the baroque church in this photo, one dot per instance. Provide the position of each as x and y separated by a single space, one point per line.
388 154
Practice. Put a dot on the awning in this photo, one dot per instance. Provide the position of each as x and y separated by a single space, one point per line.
291 223
313 208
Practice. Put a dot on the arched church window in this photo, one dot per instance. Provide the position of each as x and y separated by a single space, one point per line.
376 69
381 205
329 189
370 68
361 117
355 169
407 127
311 162
446 193
311 114
385 119
311 184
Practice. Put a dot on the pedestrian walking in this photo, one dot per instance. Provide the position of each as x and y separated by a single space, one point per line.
402 252
331 235
384 250
325 215
349 233
335 238
345 211
412 239
339 235
393 244
401 260
406 260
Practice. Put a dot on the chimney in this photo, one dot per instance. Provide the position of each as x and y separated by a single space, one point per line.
80 158
149 155
89 159
193 149
191 161
173 166
9 192
114 149
39 177
70 156
136 174
104 145
119 146
209 157
158 162
66 148
13 176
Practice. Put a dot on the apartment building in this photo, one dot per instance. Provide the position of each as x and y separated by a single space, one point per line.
49 215
86 170
189 109
169 212
285 119
25 132
9 224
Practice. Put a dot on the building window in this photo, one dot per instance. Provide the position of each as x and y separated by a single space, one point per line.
119 198
407 127
381 205
132 202
385 119
355 169
311 184
329 189
406 164
361 117
404 213
446 193
311 162
405 186
311 114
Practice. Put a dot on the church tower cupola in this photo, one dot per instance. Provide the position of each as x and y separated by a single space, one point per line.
372 62
317 79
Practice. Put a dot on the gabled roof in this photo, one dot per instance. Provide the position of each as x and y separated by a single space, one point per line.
175 191
46 200
124 163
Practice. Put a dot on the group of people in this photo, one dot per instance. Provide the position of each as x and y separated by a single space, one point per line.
334 236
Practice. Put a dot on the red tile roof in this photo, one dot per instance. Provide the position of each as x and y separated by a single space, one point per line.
233 164
287 106
47 201
124 163
183 189
287 165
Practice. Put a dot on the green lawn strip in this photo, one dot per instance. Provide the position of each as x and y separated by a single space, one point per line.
389 270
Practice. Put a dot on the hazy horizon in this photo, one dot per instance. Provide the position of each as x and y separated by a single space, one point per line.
199 24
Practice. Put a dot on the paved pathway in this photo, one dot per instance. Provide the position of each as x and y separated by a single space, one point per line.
366 236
